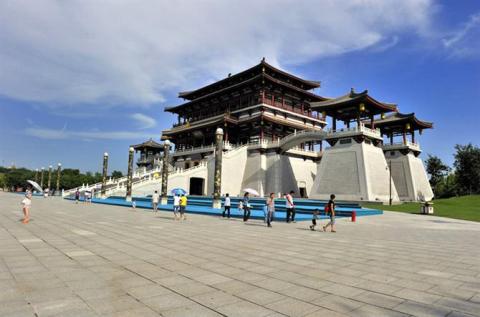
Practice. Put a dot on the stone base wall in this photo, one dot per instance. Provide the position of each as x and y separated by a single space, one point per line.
409 176
353 172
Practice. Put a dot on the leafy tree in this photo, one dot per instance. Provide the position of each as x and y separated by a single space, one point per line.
446 187
117 174
467 168
3 181
436 169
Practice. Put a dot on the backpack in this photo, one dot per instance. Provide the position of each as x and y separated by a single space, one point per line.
327 209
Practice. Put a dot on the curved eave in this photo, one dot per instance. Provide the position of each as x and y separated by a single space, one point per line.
257 77
309 84
142 146
352 98
293 87
175 108
398 121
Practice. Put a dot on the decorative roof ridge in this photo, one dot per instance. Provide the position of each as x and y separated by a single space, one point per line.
399 116
312 83
307 81
147 143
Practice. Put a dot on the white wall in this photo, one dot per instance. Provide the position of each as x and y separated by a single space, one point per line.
355 172
409 176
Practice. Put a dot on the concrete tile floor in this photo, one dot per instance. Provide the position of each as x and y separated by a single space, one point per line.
101 260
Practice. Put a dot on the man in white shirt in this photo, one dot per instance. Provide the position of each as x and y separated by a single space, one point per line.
290 206
226 206
155 198
176 206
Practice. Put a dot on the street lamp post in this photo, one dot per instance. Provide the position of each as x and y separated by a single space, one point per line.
217 179
59 173
129 174
41 177
104 176
49 183
166 149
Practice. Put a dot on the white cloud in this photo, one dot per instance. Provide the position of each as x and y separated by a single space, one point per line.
133 52
63 134
466 40
144 121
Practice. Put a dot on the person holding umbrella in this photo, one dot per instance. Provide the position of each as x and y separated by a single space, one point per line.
246 206
26 203
176 192
27 200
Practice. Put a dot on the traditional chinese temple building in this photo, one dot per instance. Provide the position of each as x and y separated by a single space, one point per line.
274 126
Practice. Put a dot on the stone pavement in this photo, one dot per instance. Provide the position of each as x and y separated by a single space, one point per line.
98 260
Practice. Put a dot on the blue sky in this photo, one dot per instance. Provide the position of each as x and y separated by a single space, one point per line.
80 78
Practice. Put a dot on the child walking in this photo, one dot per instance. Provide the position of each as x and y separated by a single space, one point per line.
314 219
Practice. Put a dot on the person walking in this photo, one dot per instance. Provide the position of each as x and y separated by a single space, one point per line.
330 209
270 209
226 206
183 206
176 206
155 198
77 196
26 204
290 206
314 219
246 206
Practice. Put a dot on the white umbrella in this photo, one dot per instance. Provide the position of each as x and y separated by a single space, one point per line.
35 186
251 191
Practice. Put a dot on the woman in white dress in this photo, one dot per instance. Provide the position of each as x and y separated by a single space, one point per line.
26 203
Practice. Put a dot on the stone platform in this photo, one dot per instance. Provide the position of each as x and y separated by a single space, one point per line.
100 260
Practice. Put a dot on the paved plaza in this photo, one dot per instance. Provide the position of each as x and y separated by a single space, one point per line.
100 260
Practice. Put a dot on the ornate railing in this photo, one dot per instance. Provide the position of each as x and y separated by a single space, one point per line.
355 130
401 145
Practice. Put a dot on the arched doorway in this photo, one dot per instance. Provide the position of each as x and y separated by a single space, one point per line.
196 186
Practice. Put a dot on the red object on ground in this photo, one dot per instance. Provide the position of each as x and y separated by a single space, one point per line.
354 216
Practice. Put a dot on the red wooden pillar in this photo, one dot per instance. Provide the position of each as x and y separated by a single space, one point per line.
372 123
413 136
404 137
334 123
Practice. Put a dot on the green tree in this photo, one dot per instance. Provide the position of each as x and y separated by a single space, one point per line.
436 169
446 187
467 168
117 174
3 181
